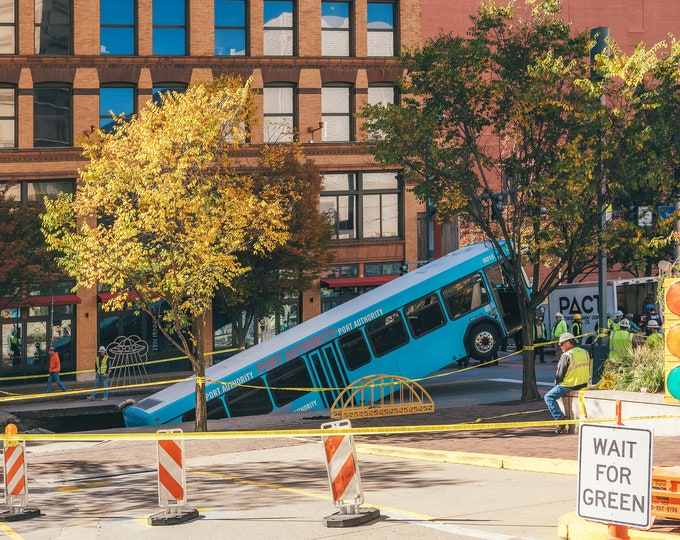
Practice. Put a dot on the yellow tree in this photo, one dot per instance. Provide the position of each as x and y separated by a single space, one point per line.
162 211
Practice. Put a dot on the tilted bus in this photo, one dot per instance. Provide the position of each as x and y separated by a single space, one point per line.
453 308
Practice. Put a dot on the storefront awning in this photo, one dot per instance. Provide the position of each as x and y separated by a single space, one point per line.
42 300
368 281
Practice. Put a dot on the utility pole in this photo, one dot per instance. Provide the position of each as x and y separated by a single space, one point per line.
600 348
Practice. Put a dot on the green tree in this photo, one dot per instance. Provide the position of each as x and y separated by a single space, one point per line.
645 165
505 128
290 268
162 212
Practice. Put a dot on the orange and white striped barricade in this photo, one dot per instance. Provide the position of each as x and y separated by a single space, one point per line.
171 482
344 478
16 480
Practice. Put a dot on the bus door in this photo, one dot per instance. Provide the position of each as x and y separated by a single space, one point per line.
506 298
329 373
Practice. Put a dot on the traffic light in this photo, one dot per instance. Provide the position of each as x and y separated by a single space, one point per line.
671 328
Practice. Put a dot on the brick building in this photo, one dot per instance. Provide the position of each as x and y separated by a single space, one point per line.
65 64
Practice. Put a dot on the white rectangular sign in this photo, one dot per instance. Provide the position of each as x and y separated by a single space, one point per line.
615 475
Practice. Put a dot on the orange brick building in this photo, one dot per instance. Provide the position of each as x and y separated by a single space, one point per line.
65 64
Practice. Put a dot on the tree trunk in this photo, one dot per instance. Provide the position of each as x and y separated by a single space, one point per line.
201 408
529 387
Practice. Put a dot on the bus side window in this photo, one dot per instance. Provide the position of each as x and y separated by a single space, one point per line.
246 401
290 375
424 315
387 333
354 349
215 409
465 295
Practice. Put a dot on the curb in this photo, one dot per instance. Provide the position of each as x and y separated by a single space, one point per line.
569 526
572 526
493 461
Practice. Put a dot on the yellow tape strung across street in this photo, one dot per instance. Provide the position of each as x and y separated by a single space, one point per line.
264 434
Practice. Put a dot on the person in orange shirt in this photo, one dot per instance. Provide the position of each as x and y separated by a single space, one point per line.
55 368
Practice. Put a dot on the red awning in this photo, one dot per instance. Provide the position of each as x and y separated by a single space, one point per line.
42 300
368 281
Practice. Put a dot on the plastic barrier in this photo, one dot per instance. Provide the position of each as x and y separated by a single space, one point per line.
16 480
666 492
171 483
344 478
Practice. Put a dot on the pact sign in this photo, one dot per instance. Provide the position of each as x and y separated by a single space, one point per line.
615 475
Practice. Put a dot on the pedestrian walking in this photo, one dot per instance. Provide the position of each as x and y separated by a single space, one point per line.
101 371
54 369
573 372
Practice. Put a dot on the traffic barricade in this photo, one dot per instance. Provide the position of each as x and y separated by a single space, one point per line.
666 492
344 478
171 482
16 480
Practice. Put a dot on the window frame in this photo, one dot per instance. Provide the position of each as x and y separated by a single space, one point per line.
157 27
271 29
328 114
12 26
39 29
232 28
104 27
10 119
283 136
40 120
357 193
107 116
392 31
327 47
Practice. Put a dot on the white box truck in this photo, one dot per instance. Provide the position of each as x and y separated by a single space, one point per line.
628 295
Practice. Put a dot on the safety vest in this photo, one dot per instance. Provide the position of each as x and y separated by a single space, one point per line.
101 365
621 341
578 371
654 340
576 329
559 328
540 332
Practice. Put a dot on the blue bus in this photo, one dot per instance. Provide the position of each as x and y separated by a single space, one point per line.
454 308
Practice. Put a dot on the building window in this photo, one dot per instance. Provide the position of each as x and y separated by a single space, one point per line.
230 27
117 32
278 114
51 116
336 112
115 100
381 28
8 117
169 27
335 29
8 27
380 205
53 27
363 205
34 192
381 95
169 87
278 28
382 269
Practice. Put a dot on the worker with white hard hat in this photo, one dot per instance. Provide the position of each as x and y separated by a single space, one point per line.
573 372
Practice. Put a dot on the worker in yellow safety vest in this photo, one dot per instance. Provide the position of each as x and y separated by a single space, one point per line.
654 339
573 372
623 340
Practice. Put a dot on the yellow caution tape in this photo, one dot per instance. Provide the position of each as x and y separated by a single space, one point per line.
387 430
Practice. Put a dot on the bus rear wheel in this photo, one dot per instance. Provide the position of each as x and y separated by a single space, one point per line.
483 342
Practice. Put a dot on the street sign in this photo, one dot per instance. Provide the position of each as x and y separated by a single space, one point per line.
665 211
615 475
